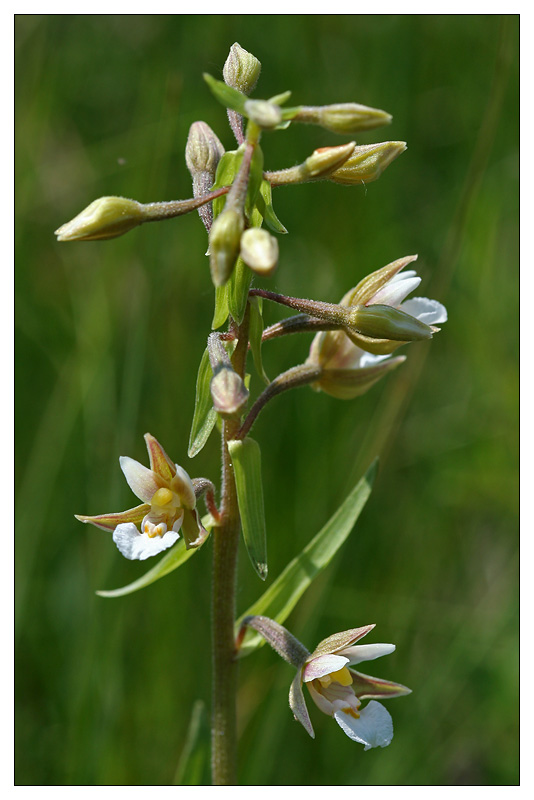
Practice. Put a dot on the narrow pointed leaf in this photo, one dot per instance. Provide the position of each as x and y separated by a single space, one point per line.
265 207
226 95
255 180
227 169
246 458
176 556
194 765
237 290
255 334
281 597
220 313
204 416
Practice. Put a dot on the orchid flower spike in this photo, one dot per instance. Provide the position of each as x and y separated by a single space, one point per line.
169 505
335 688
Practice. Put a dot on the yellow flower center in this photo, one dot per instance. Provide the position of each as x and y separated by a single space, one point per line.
161 497
341 676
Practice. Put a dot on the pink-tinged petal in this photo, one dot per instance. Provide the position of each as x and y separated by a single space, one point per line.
365 686
108 522
323 665
159 460
397 290
141 480
297 704
183 486
428 311
373 728
338 641
193 531
366 652
137 546
320 700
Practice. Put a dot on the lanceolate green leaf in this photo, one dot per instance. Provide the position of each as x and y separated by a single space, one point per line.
177 556
255 334
281 597
237 290
194 765
204 416
265 207
226 95
246 458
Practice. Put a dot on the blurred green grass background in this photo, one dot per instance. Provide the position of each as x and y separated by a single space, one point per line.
109 336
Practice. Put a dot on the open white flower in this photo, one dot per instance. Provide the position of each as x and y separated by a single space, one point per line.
351 365
338 690
169 505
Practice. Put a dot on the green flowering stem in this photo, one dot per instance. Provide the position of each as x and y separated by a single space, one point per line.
291 379
225 545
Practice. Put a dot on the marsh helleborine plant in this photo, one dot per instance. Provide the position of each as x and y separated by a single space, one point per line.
354 345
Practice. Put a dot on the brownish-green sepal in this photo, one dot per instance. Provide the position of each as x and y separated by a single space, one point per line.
108 522
369 286
297 704
366 687
246 459
338 641
204 416
159 460
378 347
346 384
386 322
264 204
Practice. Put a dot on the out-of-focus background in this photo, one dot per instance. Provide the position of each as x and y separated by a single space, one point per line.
109 336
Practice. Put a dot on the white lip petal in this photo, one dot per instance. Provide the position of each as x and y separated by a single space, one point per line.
428 311
137 546
370 360
323 665
373 728
141 480
366 652
394 292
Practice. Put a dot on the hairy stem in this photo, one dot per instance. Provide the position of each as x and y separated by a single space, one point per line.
296 376
225 544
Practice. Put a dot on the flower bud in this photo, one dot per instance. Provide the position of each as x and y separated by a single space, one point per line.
264 114
259 251
327 159
104 218
202 154
241 69
203 150
228 391
384 322
344 118
367 163
225 236
346 384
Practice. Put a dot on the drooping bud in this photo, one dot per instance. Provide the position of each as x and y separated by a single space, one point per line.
228 391
265 114
241 69
259 251
202 155
344 118
104 218
367 163
225 236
